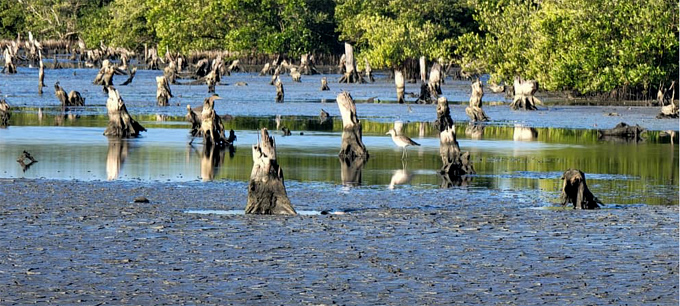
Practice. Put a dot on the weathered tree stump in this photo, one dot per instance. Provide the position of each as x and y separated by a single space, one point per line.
324 84
105 75
279 90
131 75
323 116
212 128
266 69
307 66
170 72
475 111
295 74
350 75
266 189
575 191
623 131
454 163
368 71
670 110
163 93
121 124
41 74
5 113
424 97
72 99
400 84
10 61
352 145
524 91
194 118
434 83
235 66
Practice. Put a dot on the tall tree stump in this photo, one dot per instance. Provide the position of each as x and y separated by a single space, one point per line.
41 73
368 71
524 94
121 124
350 75
454 163
266 189
5 113
670 110
475 111
163 93
10 60
212 128
352 145
434 83
400 83
575 191
279 90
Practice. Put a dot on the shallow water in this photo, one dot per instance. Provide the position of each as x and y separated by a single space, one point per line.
68 144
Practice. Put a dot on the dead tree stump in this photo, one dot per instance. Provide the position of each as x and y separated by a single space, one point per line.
350 75
266 189
121 124
400 84
475 111
5 113
163 93
435 81
352 145
212 128
307 66
368 71
195 119
10 60
575 191
324 84
295 74
41 74
75 99
454 163
670 110
279 90
524 94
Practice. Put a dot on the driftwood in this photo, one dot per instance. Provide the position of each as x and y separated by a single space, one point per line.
623 131
575 191
400 84
474 110
350 75
163 93
352 145
524 91
121 124
72 99
324 84
454 163
131 75
279 90
25 160
266 189
5 113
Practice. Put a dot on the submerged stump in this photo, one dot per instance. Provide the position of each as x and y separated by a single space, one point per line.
474 110
575 191
5 113
454 163
121 124
163 93
266 190
352 145
623 131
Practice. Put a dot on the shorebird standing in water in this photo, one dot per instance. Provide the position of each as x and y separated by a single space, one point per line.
401 141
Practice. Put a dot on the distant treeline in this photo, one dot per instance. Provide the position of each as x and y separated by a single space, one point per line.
584 46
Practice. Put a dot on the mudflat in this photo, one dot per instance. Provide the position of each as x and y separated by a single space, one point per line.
88 242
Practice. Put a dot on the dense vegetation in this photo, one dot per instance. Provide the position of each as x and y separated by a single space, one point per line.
588 46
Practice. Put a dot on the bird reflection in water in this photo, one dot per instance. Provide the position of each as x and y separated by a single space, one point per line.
400 176
118 151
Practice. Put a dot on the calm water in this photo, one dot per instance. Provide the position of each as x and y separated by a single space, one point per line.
68 144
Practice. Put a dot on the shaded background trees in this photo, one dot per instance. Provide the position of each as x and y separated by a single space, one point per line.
584 46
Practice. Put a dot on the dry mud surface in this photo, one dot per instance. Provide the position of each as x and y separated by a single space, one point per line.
69 242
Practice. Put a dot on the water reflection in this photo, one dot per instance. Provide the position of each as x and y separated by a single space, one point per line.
474 130
115 156
350 171
400 176
524 133
448 181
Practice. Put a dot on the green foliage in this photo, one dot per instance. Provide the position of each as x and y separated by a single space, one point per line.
589 46
13 19
388 32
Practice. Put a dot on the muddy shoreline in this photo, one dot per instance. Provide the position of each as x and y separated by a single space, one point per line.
68 242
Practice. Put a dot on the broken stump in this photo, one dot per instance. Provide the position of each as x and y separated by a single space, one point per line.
575 191
352 145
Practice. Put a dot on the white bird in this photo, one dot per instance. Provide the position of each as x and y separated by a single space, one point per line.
401 141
